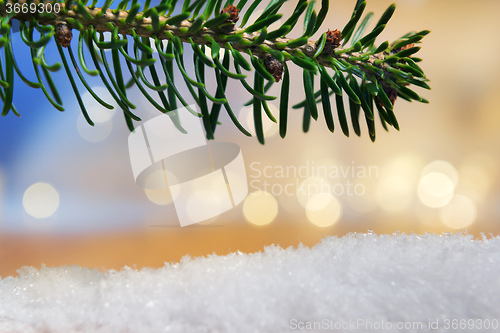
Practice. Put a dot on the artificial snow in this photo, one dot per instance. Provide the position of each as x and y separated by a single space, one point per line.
360 282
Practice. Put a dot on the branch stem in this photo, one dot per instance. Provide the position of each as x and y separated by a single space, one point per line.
143 27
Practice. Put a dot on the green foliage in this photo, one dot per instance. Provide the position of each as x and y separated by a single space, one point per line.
149 42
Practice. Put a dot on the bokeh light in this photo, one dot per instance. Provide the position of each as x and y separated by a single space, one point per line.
323 210
156 188
41 200
459 213
435 189
160 197
98 132
398 179
260 208
100 116
97 112
407 165
270 128
310 187
443 167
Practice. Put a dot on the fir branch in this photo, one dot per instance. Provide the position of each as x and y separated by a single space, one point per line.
368 75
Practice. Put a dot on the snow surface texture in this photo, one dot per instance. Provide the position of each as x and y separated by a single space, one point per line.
351 282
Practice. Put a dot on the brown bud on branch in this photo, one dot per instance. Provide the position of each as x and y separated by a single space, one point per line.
63 34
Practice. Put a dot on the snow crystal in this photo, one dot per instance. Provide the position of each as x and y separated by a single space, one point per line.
360 282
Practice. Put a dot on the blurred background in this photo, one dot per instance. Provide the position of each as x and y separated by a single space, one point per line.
68 196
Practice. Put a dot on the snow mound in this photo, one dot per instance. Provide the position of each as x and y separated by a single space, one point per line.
360 282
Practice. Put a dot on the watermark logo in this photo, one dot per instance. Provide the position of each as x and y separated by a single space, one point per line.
171 152
310 179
